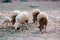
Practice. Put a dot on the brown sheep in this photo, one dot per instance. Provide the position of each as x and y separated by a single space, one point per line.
13 16
35 13
42 20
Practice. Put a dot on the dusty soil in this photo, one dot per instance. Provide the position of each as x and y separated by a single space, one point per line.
51 8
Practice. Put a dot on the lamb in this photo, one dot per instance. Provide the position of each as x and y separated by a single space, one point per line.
21 20
13 16
35 13
42 20
10 20
7 22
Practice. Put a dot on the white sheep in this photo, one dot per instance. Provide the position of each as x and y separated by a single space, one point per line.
42 20
13 15
7 22
35 13
21 19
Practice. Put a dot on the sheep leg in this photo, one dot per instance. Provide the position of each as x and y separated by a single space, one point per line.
44 28
26 27
40 28
22 26
27 24
4 22
36 22
33 20
10 24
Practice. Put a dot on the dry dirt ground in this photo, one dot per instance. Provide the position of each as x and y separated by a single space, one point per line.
51 8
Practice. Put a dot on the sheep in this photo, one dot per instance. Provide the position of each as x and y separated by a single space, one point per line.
42 20
13 15
21 20
7 22
35 13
